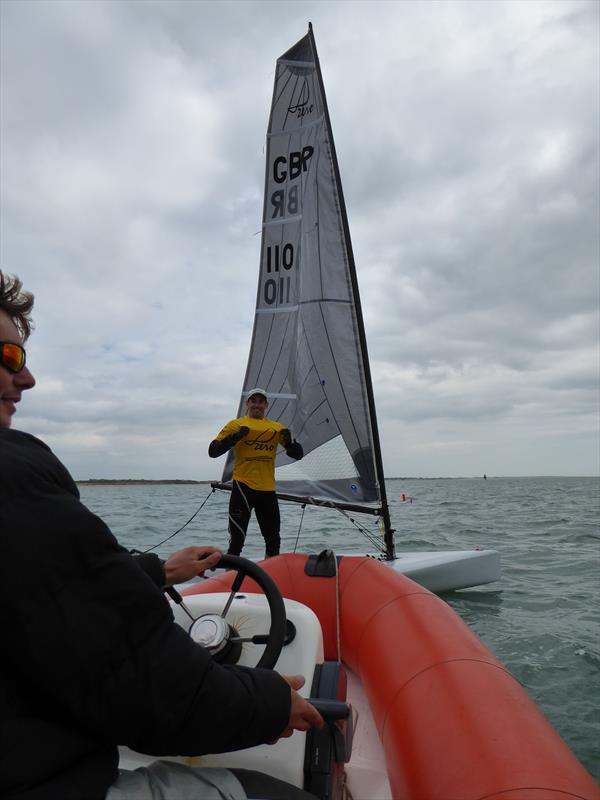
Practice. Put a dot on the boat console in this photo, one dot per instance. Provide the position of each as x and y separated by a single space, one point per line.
239 628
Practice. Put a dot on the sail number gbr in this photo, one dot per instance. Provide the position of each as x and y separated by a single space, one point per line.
287 203
277 289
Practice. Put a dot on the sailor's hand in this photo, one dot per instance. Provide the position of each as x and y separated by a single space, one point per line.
191 561
286 437
302 714
240 433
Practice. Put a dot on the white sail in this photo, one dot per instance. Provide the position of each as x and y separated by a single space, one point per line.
308 347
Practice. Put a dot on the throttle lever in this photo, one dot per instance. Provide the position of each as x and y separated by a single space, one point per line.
330 710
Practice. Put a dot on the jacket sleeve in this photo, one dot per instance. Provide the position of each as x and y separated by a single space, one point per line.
219 446
153 566
227 437
97 639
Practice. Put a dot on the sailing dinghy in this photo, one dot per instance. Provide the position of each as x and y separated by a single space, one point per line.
308 347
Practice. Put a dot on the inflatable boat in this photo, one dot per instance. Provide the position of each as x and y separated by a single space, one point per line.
417 707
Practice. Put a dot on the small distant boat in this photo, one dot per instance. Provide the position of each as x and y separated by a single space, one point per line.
309 349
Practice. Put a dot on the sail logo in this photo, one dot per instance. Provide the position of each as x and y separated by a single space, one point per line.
301 105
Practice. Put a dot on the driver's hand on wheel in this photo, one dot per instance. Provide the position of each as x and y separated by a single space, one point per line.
303 715
191 561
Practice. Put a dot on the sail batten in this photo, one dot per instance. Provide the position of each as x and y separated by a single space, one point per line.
308 346
279 222
289 310
302 64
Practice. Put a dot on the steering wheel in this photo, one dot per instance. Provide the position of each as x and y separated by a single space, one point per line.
224 642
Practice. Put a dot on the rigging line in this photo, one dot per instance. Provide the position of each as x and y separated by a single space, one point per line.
299 527
200 507
337 609
373 538
366 533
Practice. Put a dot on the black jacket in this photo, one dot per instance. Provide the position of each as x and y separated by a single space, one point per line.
91 656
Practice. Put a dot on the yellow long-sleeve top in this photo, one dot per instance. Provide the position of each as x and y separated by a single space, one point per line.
255 454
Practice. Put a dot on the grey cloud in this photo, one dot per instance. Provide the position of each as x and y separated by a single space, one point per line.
132 182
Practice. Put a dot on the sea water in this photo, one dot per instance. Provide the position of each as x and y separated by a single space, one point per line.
541 619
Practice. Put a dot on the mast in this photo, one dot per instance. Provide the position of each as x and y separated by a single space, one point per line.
385 513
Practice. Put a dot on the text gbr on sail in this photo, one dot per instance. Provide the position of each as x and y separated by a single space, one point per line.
285 203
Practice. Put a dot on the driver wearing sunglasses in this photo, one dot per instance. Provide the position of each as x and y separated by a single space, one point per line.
15 327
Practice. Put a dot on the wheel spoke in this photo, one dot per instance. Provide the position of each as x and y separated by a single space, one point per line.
280 631
235 586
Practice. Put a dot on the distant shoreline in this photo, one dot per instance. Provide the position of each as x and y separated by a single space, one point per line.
187 482
134 482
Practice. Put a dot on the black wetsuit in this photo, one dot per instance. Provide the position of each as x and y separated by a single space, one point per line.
241 503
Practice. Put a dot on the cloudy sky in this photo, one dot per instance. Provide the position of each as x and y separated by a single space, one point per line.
132 167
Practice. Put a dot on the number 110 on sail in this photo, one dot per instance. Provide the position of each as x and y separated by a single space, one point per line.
279 259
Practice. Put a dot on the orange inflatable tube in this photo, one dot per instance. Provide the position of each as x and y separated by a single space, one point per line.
454 724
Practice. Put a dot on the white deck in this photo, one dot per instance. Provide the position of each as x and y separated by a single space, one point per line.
443 571
366 774
437 570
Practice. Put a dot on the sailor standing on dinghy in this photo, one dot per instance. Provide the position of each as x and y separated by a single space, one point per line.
255 440
93 657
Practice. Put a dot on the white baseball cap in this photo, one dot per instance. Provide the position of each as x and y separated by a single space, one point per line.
256 391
